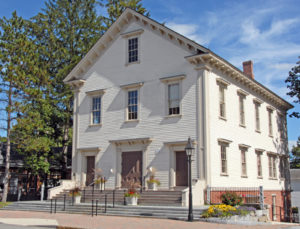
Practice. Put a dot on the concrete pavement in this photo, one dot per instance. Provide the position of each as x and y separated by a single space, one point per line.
66 221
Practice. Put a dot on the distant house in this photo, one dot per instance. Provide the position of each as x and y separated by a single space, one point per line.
143 89
21 177
295 184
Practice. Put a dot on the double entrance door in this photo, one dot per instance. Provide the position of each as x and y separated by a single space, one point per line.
131 169
181 169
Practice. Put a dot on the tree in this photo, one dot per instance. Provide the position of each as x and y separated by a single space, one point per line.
13 42
116 7
293 84
295 158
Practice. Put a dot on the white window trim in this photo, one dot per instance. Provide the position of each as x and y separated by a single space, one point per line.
222 84
130 35
270 121
173 80
259 152
257 105
132 87
225 143
244 147
93 94
242 98
274 165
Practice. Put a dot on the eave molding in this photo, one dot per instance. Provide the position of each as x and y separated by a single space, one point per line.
217 62
89 149
132 85
132 33
96 92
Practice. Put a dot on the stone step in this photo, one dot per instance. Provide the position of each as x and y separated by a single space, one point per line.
140 211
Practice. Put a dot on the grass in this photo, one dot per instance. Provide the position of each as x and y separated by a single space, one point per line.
2 205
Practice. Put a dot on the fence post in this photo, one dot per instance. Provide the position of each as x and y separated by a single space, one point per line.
105 203
113 198
261 197
92 207
124 199
96 207
64 202
51 206
19 193
208 194
93 191
55 206
72 198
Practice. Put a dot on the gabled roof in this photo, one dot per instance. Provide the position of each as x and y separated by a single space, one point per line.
201 55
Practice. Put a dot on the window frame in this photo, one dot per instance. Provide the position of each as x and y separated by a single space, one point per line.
259 154
270 121
272 166
178 79
137 105
130 35
257 116
242 118
137 49
100 110
127 88
223 144
222 84
94 94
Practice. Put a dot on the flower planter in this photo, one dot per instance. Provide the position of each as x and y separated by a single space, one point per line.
97 186
152 186
131 200
77 199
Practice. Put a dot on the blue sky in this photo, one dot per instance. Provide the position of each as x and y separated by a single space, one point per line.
265 31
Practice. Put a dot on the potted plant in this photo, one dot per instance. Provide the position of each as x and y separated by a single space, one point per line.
98 177
131 197
152 182
76 194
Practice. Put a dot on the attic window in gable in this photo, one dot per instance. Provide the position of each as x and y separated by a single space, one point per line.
133 49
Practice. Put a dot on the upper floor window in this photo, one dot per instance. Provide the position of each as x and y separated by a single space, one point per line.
133 50
223 155
173 99
259 165
283 164
132 106
242 109
272 166
270 112
244 162
222 113
257 117
96 110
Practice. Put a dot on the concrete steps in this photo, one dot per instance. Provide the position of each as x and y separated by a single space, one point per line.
165 198
167 212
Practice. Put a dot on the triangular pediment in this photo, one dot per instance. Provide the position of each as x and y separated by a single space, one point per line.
127 17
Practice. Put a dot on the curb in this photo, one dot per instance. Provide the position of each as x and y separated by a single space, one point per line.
67 227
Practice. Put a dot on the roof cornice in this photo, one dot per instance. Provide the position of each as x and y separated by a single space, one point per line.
219 63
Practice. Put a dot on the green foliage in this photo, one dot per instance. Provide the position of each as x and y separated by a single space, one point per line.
116 7
293 84
232 199
295 156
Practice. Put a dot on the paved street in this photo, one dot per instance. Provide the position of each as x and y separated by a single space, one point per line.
47 220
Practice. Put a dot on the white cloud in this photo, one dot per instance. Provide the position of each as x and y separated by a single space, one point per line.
291 144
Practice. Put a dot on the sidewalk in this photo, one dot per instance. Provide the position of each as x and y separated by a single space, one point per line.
66 221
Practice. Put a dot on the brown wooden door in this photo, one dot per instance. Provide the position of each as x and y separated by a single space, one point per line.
181 169
131 168
90 166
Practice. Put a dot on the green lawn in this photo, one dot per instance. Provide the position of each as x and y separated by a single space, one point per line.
4 204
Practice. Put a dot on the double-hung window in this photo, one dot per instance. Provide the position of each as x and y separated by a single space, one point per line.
257 116
270 112
96 114
222 101
282 126
222 97
259 165
173 95
272 166
132 105
223 143
133 50
243 162
173 99
96 110
242 109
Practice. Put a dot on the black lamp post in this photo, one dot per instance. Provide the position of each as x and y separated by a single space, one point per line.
189 149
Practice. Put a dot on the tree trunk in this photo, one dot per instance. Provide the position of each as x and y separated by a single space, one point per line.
7 161
65 151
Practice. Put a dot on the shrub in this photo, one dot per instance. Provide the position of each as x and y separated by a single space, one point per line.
295 210
154 181
131 193
232 199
